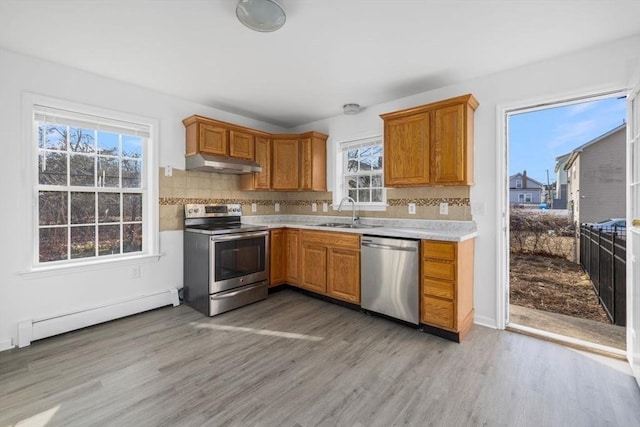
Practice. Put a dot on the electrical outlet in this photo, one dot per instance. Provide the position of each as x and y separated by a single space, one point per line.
325 207
412 208
168 171
254 207
444 208
277 207
134 272
314 207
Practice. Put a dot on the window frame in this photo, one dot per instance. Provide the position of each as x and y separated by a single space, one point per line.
340 190
518 183
148 187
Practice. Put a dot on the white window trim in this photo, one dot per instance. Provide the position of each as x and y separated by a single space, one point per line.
339 192
29 198
518 183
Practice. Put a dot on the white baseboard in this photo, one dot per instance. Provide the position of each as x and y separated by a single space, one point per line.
485 321
35 329
6 344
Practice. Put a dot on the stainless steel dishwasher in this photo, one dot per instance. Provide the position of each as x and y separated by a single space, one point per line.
389 277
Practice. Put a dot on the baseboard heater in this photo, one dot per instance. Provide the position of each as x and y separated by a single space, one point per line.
36 329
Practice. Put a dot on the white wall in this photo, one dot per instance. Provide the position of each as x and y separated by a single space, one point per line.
25 297
599 69
590 71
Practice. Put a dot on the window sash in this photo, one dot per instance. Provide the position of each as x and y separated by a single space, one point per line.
347 175
137 240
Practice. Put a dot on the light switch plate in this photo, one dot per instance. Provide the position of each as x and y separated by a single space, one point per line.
412 208
444 208
277 207
325 207
168 171
314 207
254 207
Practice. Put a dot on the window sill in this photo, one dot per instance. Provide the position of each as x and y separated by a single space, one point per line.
58 270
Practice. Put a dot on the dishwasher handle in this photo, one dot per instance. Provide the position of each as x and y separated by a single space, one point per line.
370 244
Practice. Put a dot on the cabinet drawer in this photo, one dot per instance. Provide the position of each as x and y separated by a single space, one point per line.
439 270
438 288
340 240
437 312
439 250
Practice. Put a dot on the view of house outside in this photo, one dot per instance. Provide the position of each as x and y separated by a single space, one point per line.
566 178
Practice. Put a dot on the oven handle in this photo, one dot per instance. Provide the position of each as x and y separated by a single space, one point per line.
239 236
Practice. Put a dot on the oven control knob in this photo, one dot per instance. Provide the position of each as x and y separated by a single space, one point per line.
190 210
196 210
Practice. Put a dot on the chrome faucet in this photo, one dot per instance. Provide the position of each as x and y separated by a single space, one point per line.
353 209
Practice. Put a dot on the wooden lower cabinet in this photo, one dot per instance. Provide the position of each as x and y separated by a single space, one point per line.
292 238
277 260
330 264
447 286
343 280
314 267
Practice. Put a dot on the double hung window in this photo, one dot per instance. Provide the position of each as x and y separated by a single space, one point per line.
362 172
90 186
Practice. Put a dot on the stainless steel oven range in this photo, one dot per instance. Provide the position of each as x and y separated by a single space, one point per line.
225 262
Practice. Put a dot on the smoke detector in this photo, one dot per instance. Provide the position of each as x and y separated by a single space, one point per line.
351 109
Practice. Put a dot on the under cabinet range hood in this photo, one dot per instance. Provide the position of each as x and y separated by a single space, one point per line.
219 164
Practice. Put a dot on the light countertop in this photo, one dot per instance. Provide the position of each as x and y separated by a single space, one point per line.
453 231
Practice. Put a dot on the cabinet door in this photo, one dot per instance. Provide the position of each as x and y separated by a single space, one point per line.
262 180
306 165
284 173
314 267
293 251
277 273
343 280
448 148
241 145
213 139
406 150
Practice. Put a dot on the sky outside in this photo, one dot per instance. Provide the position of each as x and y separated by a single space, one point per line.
537 138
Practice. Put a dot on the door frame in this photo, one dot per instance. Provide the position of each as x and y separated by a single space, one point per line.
503 111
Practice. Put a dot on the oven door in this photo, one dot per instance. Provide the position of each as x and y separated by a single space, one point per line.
238 259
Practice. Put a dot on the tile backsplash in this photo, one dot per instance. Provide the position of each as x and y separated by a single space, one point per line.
205 187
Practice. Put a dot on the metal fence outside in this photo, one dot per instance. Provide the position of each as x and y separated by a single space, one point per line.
603 257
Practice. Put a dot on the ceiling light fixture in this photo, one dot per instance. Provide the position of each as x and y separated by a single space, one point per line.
261 15
351 109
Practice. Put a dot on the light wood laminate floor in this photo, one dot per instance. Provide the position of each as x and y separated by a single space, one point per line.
297 361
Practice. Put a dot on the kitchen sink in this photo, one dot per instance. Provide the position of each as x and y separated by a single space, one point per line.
343 225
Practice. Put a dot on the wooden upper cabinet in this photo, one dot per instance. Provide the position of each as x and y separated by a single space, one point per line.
289 161
406 150
451 147
431 144
313 162
259 180
285 162
241 144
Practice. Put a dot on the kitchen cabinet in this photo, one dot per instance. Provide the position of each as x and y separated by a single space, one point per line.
209 136
289 162
447 287
343 277
330 264
285 161
313 162
277 259
241 144
292 239
259 180
406 150
430 144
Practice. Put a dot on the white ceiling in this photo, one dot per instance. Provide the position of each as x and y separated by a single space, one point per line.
330 52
